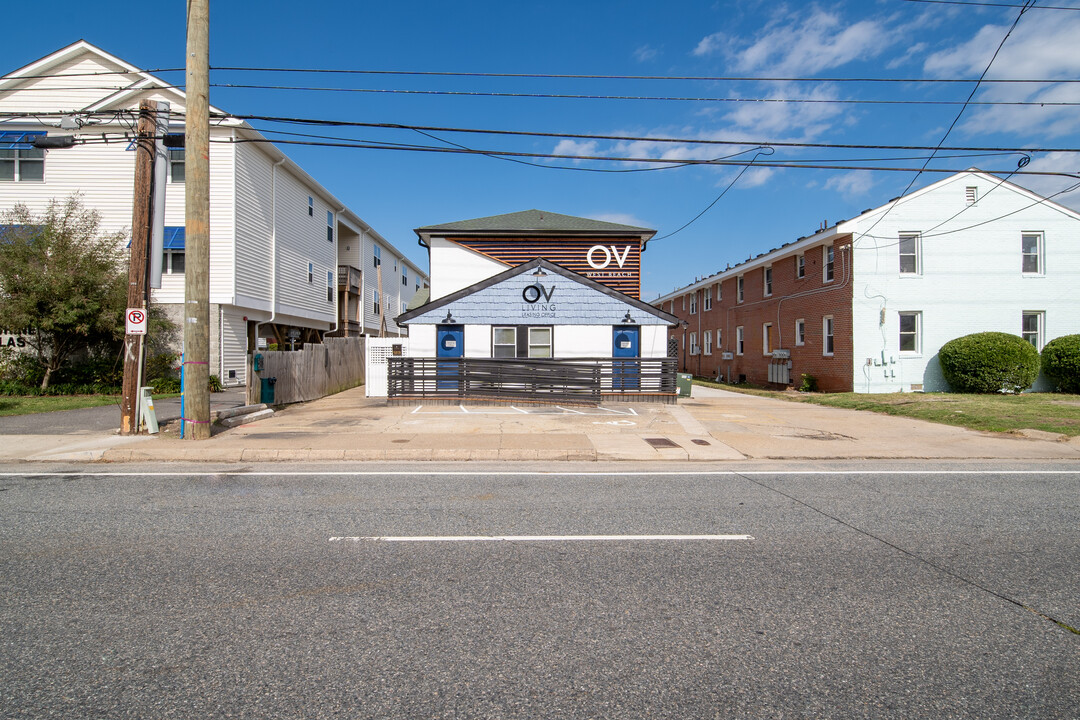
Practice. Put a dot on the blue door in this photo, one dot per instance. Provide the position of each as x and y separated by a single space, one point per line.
449 343
626 343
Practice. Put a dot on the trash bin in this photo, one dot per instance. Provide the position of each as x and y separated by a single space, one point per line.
266 390
684 383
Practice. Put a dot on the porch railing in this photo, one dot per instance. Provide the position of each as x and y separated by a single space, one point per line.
557 380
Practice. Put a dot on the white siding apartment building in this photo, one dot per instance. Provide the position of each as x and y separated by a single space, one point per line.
287 258
865 305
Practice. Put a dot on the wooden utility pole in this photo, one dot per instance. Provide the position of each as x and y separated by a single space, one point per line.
197 224
137 267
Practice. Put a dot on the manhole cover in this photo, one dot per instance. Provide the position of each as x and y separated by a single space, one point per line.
699 441
661 443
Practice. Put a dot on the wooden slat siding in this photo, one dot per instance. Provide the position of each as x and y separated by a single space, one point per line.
580 379
314 371
569 252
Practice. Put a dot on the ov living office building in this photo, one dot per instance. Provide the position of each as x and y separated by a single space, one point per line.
535 285
289 262
865 305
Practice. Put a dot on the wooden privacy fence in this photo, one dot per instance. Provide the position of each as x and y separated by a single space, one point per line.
312 372
563 380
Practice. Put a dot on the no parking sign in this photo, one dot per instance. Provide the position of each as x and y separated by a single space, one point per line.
136 321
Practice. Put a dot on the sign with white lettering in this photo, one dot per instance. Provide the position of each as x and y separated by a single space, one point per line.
727 356
781 354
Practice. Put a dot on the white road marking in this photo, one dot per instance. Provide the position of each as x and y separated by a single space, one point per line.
535 538
532 473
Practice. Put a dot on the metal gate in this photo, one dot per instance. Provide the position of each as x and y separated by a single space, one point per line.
376 351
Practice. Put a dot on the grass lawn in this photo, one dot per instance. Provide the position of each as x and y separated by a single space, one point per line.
29 404
1050 412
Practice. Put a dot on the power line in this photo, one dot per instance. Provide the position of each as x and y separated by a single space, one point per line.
569 76
568 135
991 4
582 96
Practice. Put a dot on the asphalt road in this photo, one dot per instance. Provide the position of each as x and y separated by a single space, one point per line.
861 595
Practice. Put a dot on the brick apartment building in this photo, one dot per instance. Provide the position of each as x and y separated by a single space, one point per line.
864 305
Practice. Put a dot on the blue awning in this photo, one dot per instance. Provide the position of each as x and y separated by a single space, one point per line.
174 237
18 139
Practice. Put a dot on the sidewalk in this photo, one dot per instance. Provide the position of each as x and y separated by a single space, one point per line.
713 425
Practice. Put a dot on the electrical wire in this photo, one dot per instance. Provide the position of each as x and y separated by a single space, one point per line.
990 4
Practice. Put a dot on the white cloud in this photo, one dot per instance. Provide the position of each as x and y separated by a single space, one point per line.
573 147
776 119
851 184
646 53
802 44
1048 185
1043 46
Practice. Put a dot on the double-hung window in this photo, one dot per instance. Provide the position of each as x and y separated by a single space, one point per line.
539 342
708 298
1031 327
829 258
767 281
740 337
693 303
310 273
766 338
176 165
504 342
329 226
404 275
800 332
910 332
739 286
719 292
909 254
800 266
1031 248
693 344
329 286
20 161
375 306
707 339
827 347
378 255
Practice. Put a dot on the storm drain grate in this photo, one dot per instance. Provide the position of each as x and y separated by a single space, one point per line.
661 443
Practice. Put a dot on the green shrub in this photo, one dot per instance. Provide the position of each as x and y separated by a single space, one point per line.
1061 362
163 365
165 385
989 362
809 383
215 384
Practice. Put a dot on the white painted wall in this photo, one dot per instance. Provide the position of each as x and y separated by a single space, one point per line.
458 267
970 280
570 341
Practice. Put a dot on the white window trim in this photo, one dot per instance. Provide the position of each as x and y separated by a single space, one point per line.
917 237
800 266
740 288
918 332
1040 332
693 303
766 339
706 338
1040 249
766 281
800 337
694 349
828 330
826 266
740 340
707 305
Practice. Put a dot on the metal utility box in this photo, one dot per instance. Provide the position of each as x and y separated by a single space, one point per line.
266 390
684 382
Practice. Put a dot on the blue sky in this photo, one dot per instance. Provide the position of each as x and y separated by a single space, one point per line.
396 191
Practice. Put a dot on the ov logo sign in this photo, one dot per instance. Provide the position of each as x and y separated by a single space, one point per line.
607 254
533 293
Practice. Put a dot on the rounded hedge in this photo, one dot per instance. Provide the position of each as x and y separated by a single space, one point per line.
989 362
1061 363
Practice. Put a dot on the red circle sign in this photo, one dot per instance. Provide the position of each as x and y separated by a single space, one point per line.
136 317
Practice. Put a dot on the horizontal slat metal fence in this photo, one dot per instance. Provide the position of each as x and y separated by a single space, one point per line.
571 379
